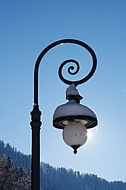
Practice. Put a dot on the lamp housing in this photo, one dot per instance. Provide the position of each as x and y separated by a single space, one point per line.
74 114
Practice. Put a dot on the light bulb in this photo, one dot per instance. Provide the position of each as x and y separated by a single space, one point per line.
75 135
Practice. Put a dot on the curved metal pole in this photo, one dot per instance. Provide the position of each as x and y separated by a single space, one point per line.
73 41
36 113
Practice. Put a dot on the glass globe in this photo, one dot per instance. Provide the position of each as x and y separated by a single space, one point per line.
75 135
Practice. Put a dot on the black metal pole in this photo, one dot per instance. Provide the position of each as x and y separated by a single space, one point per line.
35 167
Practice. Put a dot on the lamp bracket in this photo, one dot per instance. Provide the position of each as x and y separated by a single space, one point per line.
70 69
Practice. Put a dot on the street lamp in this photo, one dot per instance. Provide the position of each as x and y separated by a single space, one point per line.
72 117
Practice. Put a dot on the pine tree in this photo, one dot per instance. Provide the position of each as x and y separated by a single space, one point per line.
12 178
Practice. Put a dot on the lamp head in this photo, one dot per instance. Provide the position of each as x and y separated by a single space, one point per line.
74 118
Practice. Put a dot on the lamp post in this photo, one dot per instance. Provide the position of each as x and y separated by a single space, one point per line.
73 118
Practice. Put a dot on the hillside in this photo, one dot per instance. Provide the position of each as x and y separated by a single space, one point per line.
60 178
19 159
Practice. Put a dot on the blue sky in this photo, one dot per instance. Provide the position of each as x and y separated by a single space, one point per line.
26 28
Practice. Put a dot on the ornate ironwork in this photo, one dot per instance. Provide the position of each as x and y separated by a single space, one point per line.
70 69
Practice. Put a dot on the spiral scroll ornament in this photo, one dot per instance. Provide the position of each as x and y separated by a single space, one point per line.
73 70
